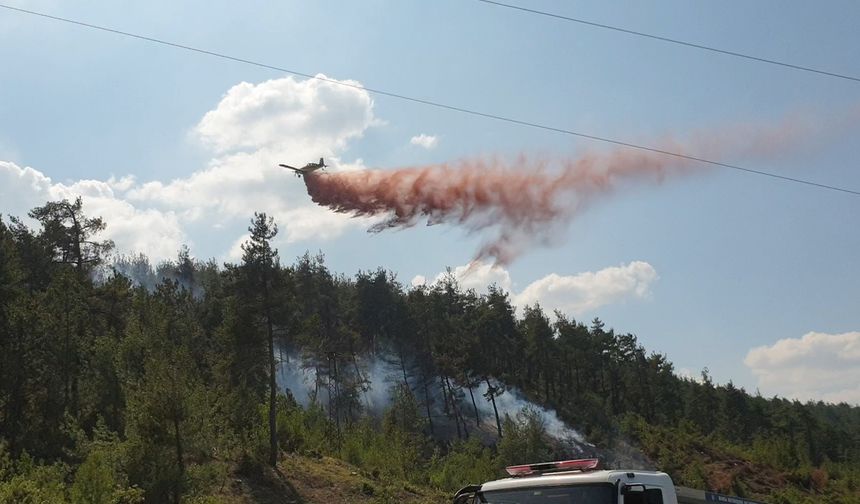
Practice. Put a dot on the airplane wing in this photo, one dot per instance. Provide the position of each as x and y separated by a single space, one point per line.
290 167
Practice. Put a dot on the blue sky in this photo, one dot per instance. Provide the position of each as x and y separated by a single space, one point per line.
735 262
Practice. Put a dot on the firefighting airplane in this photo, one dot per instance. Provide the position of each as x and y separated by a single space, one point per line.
308 168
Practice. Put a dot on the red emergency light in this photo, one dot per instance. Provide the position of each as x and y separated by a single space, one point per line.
561 465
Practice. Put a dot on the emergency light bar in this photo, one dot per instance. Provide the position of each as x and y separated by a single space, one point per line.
561 465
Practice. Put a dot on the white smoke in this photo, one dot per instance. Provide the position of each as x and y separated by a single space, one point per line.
382 374
293 377
511 403
298 378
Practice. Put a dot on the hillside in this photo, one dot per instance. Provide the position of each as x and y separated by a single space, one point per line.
189 382
308 479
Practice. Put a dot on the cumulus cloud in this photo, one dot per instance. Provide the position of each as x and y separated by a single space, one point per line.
235 253
816 366
587 291
133 229
572 294
307 222
424 140
479 276
315 114
251 130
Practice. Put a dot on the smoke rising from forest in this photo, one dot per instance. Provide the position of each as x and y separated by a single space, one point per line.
522 202
380 376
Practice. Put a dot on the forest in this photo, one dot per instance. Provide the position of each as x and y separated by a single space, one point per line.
126 382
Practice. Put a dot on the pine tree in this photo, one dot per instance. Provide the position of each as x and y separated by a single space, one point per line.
260 262
71 235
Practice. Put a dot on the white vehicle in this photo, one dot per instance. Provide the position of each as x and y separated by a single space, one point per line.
581 482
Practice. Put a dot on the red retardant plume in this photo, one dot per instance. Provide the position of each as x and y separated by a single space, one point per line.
521 201
524 202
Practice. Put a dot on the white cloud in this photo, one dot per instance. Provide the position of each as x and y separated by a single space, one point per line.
313 114
235 253
426 141
22 188
253 129
479 276
132 229
312 221
573 294
584 292
256 127
816 366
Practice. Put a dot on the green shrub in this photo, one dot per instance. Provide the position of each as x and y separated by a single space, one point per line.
303 430
525 439
466 462
34 484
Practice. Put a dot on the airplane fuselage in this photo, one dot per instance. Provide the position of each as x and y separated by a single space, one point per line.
308 168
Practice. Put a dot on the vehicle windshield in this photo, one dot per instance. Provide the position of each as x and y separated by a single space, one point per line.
573 494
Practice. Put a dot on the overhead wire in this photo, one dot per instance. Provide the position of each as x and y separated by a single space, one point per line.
672 40
431 103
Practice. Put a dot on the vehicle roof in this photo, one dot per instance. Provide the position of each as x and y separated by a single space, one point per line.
651 478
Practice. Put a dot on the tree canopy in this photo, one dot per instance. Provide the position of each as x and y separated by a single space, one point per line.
121 381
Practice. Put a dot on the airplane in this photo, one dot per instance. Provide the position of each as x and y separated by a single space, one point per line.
308 168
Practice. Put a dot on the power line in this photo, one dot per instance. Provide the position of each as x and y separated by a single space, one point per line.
673 41
434 103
